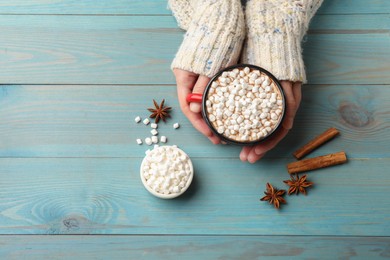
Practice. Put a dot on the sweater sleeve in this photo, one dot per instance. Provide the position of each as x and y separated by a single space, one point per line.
275 29
182 10
214 36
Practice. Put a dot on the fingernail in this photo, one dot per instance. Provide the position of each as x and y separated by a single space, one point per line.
251 159
195 107
258 151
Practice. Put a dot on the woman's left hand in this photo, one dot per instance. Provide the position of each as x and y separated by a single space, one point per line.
188 82
292 91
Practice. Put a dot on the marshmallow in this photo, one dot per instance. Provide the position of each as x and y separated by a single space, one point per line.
146 121
245 104
148 141
166 170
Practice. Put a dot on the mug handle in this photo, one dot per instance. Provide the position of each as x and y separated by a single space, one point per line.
194 97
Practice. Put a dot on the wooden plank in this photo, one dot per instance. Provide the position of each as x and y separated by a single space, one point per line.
354 6
98 121
106 196
139 50
351 24
191 247
333 59
112 7
160 7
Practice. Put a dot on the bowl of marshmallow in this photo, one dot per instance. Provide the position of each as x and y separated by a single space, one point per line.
166 171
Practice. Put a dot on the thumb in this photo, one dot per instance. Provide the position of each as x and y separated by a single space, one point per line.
199 87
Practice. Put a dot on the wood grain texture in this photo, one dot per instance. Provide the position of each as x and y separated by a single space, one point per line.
190 247
106 196
139 50
159 7
78 72
98 121
86 7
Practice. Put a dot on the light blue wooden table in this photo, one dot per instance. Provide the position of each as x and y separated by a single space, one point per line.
73 76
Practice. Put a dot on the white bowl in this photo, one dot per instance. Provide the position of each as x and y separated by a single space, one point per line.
171 195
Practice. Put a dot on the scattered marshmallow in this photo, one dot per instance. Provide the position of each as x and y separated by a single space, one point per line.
146 121
148 141
154 139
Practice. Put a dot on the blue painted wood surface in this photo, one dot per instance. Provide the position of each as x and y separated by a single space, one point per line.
98 121
194 247
106 196
138 50
159 7
74 75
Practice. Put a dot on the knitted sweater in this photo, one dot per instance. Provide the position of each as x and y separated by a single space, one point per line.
214 37
216 30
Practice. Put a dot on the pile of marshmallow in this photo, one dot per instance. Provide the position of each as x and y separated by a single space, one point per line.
166 170
152 139
244 105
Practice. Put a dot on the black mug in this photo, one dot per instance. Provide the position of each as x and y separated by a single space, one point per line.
202 98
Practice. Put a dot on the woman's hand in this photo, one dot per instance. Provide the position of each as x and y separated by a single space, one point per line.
293 95
189 82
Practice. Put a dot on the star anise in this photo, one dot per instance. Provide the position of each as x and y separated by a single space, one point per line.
298 184
159 111
273 196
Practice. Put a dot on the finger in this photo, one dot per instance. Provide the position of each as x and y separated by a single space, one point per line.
297 91
253 157
199 87
215 139
267 145
184 76
185 83
290 105
198 122
244 153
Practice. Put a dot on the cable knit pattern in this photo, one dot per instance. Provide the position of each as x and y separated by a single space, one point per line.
214 37
275 30
182 10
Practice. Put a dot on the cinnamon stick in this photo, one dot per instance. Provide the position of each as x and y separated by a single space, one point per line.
317 162
316 142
